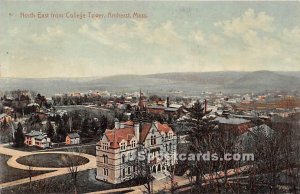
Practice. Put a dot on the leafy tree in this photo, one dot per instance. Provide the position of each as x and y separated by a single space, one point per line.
94 126
50 130
19 136
85 127
61 132
103 123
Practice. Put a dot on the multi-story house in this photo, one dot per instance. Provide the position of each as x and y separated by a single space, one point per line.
37 138
130 141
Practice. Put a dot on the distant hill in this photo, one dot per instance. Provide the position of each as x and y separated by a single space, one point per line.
190 83
216 78
265 80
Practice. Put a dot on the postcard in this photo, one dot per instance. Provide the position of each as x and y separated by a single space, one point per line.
149 97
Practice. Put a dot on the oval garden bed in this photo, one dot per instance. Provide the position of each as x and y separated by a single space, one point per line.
52 160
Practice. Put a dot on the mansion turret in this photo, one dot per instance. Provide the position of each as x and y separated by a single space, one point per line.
117 146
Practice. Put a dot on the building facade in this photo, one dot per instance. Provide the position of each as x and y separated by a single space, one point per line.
37 138
126 142
72 139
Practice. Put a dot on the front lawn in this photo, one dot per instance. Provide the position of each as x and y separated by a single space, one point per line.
51 160
87 149
8 173
63 184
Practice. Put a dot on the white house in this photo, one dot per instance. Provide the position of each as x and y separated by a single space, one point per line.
37 138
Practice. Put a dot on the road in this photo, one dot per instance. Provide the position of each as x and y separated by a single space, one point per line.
157 186
12 162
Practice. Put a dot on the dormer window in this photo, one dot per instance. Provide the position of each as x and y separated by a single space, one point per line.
153 139
123 147
105 146
133 144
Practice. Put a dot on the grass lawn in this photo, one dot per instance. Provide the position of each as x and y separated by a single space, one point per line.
51 160
83 148
8 173
25 148
63 184
87 149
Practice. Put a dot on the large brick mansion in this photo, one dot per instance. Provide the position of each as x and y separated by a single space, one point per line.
127 139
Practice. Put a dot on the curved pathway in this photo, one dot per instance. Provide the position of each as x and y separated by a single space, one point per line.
57 171
158 185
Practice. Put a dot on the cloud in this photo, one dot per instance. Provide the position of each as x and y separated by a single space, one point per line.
291 35
250 41
111 36
121 36
197 36
164 35
49 34
248 21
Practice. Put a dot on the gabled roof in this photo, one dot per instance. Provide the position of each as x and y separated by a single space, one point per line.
35 133
261 129
163 127
73 135
40 137
130 123
145 128
231 120
115 136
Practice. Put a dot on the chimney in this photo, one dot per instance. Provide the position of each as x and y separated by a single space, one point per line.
137 130
122 125
168 102
117 123
205 106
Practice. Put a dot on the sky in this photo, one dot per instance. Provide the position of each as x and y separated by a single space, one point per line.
175 37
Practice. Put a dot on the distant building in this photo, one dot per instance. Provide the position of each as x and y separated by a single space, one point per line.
72 139
238 124
37 138
5 117
247 140
129 139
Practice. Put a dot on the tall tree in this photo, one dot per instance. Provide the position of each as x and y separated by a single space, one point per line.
19 136
103 122
50 130
200 137
85 127
61 132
